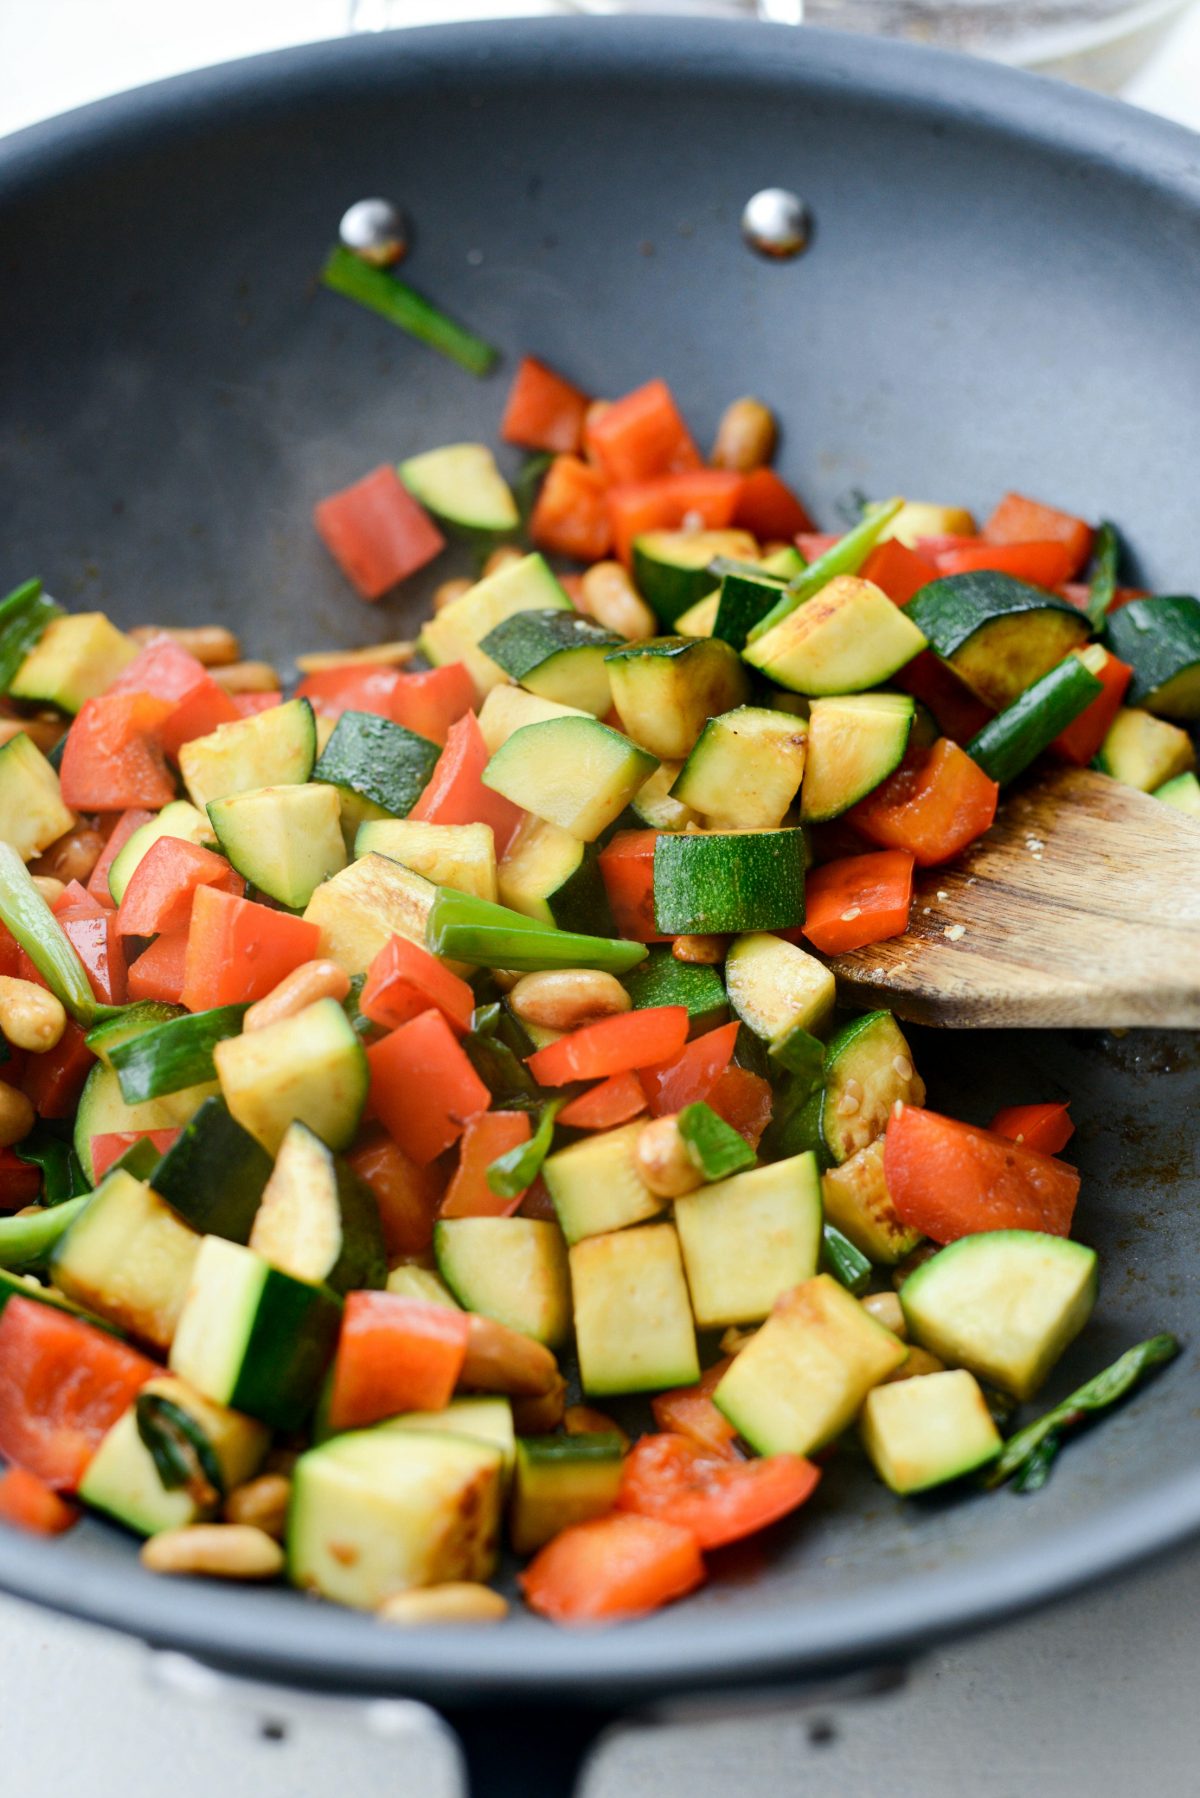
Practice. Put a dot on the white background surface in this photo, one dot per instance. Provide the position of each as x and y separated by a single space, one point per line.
1096 1697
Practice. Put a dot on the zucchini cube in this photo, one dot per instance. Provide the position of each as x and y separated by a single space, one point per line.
32 813
462 856
633 1320
270 749
369 902
846 638
128 1258
748 1239
311 1066
77 658
858 1203
511 1269
596 1186
574 772
920 1433
561 1480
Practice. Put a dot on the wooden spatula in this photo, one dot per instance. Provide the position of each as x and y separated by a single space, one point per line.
1081 907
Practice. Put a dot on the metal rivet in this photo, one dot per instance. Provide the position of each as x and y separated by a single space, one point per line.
374 230
775 222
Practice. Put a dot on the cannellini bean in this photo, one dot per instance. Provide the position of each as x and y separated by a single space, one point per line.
30 1017
745 436
262 1502
703 951
311 981
458 1601
248 677
383 655
71 856
503 557
538 1416
566 998
915 1365
613 601
663 1161
886 1309
16 1115
449 591
221 1550
49 887
502 1360
581 1420
211 644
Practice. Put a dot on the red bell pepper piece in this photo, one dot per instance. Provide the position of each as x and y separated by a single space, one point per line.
456 793
718 1500
167 671
570 515
486 1136
691 1075
744 1100
1083 736
949 1179
768 509
239 951
1046 1128
120 834
113 759
198 714
543 411
10 952
689 1411
641 436
814 544
616 1566
898 571
110 1145
859 900
164 884
935 803
1020 520
958 713
708 494
20 1181
430 702
376 532
53 1081
537 1202
354 687
63 1384
408 1196
159 971
248 705
94 935
1079 593
76 902
627 869
616 1100
423 1087
404 980
1045 564
394 1355
632 1039
30 1504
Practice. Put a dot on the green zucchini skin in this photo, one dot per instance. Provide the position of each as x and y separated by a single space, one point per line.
24 615
1008 743
380 761
556 654
728 882
214 1173
950 611
661 980
672 569
745 598
998 634
1160 639
173 1055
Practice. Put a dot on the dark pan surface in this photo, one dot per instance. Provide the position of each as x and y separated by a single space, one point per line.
1001 291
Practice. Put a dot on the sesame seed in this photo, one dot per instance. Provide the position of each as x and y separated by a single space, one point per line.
955 932
848 917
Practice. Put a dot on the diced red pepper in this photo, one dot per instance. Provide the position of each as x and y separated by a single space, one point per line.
958 713
768 509
744 1100
815 544
1043 564
395 1355
249 705
164 884
617 1566
20 1181
537 1202
936 802
487 1136
615 1101
76 902
113 759
719 1500
949 1179
167 671
238 950
641 436
632 1039
1020 520
898 571
1046 1128
1079 593
160 971
198 714
404 980
708 495
354 687
859 900
53 1081
456 793
691 1075
63 1384
29 1504
430 702
376 532
120 834
627 869
570 515
1083 736
543 411
93 934
112 1144
408 1196
689 1411
423 1087
10 952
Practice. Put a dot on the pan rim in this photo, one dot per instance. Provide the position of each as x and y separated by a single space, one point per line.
666 1653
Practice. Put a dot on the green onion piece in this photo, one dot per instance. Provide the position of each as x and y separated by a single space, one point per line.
62 1176
848 1265
26 1242
359 1022
1028 1454
1106 553
512 1172
846 556
173 1055
39 933
1008 743
461 927
24 615
527 485
714 1146
801 1053
402 305
496 1058
182 1454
